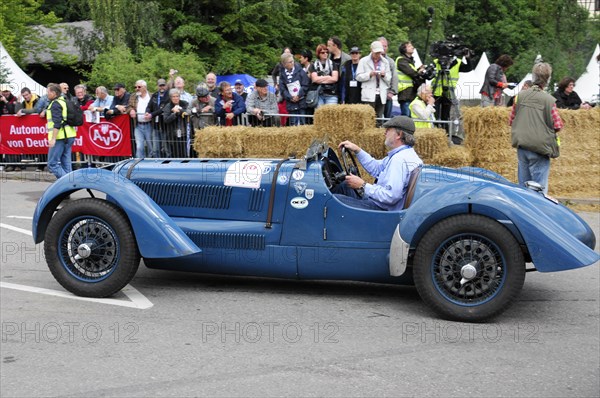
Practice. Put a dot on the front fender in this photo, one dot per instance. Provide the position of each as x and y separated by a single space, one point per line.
156 234
539 222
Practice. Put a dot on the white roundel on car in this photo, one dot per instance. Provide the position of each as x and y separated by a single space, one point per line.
299 203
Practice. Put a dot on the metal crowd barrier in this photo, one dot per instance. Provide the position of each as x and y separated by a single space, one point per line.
175 140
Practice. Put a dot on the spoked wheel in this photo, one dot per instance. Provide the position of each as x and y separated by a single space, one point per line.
468 268
90 248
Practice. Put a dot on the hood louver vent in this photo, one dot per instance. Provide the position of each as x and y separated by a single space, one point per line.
187 195
228 241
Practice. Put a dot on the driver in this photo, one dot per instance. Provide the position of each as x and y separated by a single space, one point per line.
392 172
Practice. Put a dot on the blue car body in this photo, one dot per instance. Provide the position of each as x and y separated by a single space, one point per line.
278 218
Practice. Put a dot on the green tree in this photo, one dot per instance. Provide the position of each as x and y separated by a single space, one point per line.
133 23
556 29
119 64
67 10
17 20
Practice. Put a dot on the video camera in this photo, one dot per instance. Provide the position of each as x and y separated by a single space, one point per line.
428 73
446 50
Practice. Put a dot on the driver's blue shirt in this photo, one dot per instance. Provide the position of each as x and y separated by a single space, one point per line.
392 173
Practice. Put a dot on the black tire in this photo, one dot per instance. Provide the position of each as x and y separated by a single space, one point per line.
90 248
468 268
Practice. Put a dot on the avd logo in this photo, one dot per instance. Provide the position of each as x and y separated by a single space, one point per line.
105 135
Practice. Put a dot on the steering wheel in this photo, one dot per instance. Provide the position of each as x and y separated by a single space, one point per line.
351 167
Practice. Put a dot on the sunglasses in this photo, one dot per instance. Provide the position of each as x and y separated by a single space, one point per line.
324 52
161 85
138 86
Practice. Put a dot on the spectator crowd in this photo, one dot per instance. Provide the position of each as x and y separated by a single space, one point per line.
165 116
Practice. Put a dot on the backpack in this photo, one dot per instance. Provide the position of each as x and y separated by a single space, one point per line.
74 114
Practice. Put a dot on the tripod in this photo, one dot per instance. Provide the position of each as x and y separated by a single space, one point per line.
448 105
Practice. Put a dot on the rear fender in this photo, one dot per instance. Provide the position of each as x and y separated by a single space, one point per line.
156 234
549 245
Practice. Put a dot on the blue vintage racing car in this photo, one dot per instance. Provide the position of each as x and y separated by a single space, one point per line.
463 239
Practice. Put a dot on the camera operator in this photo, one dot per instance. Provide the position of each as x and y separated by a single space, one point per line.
409 77
448 63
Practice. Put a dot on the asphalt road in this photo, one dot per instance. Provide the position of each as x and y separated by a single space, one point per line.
178 334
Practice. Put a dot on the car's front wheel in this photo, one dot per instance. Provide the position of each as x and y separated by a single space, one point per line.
468 268
90 248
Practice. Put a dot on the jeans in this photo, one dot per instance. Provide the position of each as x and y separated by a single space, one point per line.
59 157
486 101
404 108
327 100
155 137
143 134
533 166
297 121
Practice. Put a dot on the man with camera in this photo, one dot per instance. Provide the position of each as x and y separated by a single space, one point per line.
448 56
409 77
375 75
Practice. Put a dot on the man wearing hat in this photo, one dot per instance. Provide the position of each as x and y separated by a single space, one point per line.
350 86
392 172
240 89
203 108
120 102
260 103
8 104
375 74
8 101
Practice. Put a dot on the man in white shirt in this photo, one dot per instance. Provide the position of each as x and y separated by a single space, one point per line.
138 110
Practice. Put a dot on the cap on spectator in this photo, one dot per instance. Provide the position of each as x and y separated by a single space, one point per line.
238 81
403 123
5 87
161 82
118 86
355 50
261 83
377 47
202 91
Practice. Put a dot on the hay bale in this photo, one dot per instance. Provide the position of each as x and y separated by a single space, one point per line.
488 134
219 142
430 143
337 121
252 142
455 156
574 174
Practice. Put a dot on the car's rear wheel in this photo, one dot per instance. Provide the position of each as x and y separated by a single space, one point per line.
90 248
468 268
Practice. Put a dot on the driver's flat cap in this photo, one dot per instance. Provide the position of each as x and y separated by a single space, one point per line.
403 123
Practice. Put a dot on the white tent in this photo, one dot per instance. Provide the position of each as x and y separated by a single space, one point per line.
588 84
417 59
470 83
17 78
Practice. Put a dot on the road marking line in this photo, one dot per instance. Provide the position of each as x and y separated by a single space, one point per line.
16 229
22 217
138 300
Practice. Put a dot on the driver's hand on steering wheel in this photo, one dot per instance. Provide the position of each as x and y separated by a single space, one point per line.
354 182
349 146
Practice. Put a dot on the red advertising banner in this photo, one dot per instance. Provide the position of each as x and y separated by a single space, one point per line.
27 135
